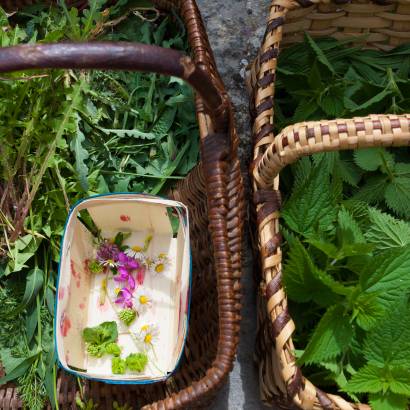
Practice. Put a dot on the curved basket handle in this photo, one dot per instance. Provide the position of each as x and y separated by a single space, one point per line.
307 138
119 56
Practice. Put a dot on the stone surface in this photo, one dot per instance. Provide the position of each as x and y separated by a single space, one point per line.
235 29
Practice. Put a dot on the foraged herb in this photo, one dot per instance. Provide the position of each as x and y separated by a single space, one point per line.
67 135
118 365
136 361
346 224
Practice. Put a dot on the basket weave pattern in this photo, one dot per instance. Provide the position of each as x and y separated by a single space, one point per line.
382 26
213 191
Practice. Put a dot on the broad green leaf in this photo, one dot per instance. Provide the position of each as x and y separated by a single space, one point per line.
106 332
388 272
14 367
373 190
388 401
304 281
348 229
368 310
368 379
389 342
369 159
330 338
400 381
34 282
397 196
386 232
310 208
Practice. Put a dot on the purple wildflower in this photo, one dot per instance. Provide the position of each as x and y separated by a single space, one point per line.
125 275
127 263
124 298
108 254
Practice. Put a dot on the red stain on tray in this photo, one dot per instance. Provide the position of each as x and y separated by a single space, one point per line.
81 306
85 264
78 283
61 294
74 272
125 218
65 324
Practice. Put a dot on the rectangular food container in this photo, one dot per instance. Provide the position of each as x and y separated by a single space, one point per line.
87 298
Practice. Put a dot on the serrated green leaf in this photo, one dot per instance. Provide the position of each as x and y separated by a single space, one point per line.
164 123
400 381
397 196
304 281
319 53
389 342
368 310
369 159
348 229
330 338
386 232
310 208
301 171
367 380
388 401
373 190
387 274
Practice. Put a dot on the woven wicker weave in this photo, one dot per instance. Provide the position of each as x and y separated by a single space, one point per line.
213 192
385 26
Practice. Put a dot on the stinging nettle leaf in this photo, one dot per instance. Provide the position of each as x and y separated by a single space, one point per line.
330 338
386 232
388 401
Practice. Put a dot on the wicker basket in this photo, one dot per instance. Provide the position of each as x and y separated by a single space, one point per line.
213 191
386 25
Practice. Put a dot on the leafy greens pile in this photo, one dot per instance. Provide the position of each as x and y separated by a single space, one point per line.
67 135
346 227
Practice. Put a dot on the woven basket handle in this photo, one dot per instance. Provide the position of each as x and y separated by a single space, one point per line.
308 138
120 56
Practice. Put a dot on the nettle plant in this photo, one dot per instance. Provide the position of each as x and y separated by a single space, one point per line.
347 267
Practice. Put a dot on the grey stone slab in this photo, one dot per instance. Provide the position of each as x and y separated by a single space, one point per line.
235 29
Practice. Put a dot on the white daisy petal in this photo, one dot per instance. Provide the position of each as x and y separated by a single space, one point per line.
143 300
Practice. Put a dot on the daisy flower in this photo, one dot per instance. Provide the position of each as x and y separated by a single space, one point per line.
143 300
149 334
135 252
159 264
108 254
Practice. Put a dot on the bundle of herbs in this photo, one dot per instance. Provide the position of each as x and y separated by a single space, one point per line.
346 225
64 136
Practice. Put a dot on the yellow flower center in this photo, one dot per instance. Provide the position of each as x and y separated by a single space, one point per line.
144 299
162 255
117 290
110 261
148 338
159 268
136 248
144 328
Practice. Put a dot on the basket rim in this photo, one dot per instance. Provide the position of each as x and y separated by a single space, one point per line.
222 156
271 153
